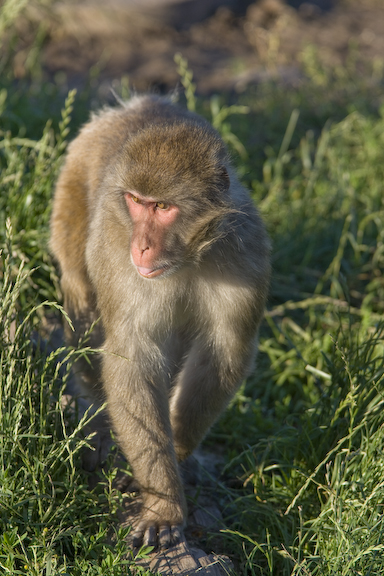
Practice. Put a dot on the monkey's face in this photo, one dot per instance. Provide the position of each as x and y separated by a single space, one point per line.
175 187
152 221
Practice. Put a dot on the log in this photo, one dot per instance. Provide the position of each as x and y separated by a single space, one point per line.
183 560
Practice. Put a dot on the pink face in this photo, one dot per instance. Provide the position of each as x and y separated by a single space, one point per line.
151 219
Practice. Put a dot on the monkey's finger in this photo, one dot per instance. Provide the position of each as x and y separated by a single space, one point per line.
137 540
165 537
150 536
137 536
176 534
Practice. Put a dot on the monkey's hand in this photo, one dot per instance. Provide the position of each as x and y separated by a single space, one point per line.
161 523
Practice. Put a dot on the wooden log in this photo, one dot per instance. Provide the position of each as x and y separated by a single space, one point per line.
183 560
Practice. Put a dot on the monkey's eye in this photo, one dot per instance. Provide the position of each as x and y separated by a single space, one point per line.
134 199
161 205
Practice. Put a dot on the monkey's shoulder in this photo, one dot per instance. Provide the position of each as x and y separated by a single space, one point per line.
241 256
244 229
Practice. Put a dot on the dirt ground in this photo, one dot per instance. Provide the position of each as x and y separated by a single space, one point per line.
225 51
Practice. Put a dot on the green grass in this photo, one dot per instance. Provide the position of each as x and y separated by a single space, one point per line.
302 489
51 523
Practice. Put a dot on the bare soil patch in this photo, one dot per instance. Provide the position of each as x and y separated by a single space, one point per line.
225 51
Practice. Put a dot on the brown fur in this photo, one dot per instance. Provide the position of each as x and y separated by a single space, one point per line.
177 346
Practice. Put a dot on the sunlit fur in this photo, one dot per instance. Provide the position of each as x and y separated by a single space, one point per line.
176 346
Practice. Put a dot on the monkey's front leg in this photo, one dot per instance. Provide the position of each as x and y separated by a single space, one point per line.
138 407
205 385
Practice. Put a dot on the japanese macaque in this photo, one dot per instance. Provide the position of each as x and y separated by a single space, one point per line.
155 235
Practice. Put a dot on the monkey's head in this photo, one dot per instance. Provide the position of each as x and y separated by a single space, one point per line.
176 191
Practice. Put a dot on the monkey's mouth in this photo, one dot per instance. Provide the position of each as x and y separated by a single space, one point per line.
150 272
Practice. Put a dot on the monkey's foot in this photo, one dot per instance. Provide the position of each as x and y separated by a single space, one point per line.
163 536
160 522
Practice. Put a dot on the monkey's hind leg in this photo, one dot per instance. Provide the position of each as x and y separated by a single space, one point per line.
87 337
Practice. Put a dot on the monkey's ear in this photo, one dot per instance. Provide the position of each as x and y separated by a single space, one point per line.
224 181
